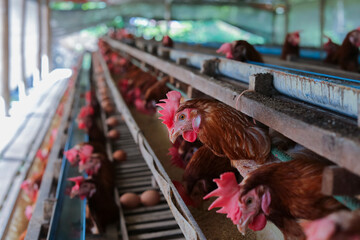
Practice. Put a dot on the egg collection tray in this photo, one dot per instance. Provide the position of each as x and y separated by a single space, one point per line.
133 175
151 138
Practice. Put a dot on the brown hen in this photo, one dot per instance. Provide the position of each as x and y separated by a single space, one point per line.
286 191
199 173
221 128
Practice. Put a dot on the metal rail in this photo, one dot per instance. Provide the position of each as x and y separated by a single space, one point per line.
38 220
334 93
34 129
66 210
137 221
332 136
182 215
314 67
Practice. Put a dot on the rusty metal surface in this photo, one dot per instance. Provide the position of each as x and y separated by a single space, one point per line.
328 135
331 93
333 137
193 59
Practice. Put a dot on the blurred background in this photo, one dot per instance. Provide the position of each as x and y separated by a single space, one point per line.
39 36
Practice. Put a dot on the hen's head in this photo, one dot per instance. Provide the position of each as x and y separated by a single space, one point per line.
83 188
186 123
226 49
354 37
247 210
179 121
293 38
30 188
167 41
330 46
42 154
254 205
79 153
91 165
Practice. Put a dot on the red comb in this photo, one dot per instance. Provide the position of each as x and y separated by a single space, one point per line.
42 154
297 33
71 155
77 180
226 48
25 184
81 125
85 152
85 111
28 212
114 57
170 106
54 133
228 192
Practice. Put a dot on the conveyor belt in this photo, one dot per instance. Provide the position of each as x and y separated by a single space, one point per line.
154 222
69 213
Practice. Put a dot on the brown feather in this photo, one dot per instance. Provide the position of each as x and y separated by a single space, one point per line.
205 166
244 51
157 91
289 49
295 189
347 55
228 132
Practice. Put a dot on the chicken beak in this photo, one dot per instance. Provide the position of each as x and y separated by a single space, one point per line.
242 229
243 225
73 194
173 135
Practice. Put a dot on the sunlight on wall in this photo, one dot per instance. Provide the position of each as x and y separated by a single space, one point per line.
2 107
44 66
28 103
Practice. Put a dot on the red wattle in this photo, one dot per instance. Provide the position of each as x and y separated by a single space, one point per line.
258 223
190 136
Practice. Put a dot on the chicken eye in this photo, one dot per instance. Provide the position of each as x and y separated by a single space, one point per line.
181 116
249 201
